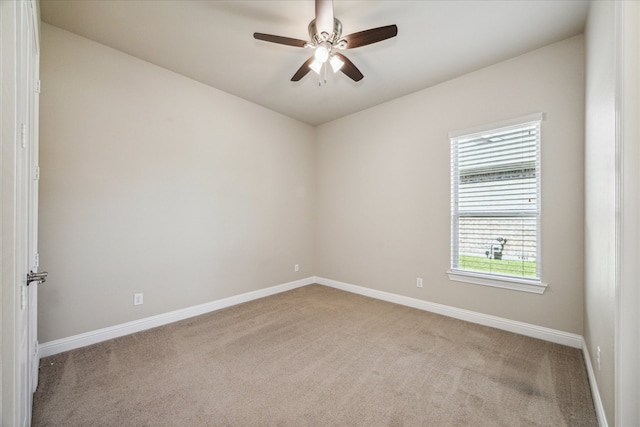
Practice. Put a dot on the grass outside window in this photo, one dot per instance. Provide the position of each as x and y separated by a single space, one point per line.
499 266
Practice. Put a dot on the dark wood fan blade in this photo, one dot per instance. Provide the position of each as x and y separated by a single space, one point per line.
373 35
349 69
279 39
324 16
302 71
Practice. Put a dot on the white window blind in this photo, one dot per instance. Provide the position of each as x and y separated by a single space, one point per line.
495 202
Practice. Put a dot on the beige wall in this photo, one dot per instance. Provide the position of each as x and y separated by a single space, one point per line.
612 206
383 187
627 349
600 200
155 183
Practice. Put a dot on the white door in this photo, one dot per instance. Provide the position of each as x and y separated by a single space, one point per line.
34 177
26 199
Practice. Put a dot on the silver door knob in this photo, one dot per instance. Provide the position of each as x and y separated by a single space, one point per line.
37 277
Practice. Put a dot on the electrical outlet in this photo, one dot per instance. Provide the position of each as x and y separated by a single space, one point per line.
296 267
137 299
598 357
419 282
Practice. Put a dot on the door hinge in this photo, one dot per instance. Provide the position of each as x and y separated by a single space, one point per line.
23 135
36 173
38 86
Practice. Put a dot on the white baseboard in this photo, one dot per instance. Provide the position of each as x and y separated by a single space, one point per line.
65 344
546 334
595 394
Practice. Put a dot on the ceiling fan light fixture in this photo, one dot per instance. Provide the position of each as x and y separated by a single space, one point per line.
336 63
316 66
322 53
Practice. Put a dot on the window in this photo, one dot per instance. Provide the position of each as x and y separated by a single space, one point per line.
495 205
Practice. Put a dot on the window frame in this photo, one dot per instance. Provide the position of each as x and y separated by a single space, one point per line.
519 283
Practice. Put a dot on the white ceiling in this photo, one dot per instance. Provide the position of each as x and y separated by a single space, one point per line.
212 42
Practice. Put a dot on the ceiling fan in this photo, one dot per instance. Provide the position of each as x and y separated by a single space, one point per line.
325 32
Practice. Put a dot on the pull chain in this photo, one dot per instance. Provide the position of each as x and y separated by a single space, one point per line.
324 66
323 69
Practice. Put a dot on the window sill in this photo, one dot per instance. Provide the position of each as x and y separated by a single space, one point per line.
504 282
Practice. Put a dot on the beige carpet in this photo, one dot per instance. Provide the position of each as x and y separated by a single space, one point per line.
316 356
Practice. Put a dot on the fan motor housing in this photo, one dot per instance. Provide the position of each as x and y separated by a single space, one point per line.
331 38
